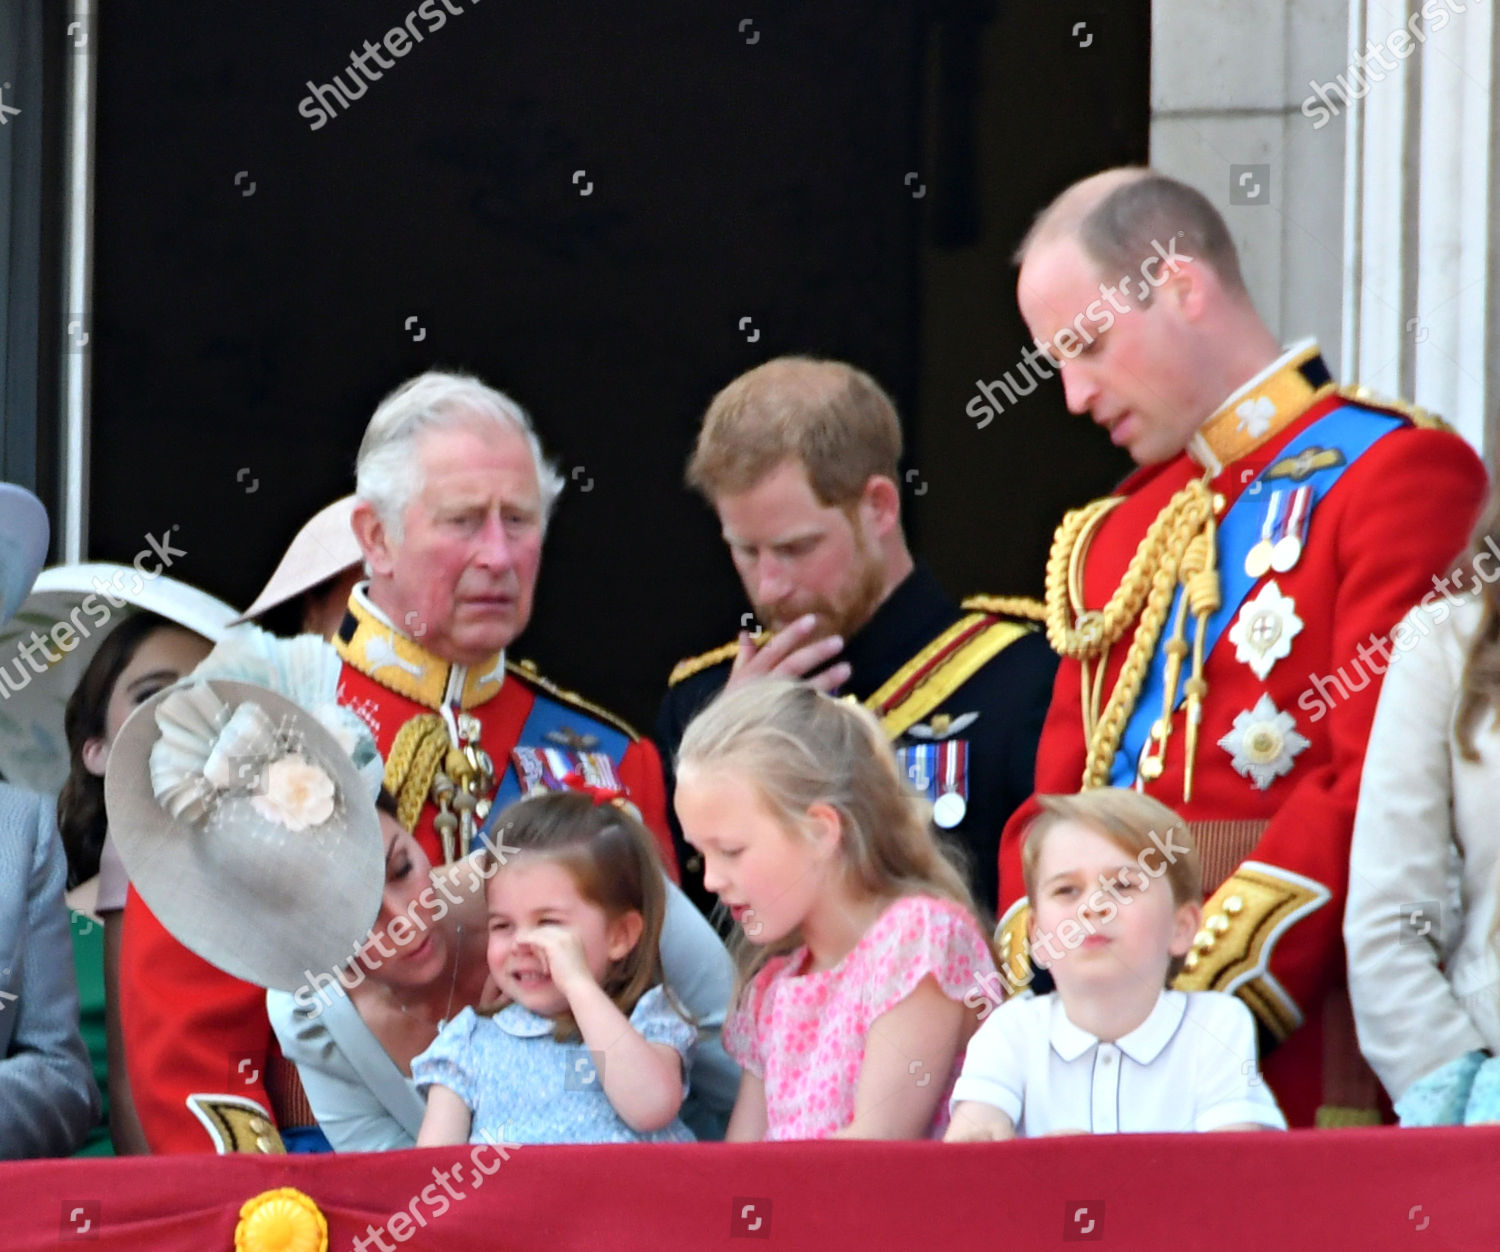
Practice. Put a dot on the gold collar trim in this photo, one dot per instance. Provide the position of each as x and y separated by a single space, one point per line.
1259 410
371 644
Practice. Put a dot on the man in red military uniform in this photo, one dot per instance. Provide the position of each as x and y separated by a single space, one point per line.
1277 530
454 496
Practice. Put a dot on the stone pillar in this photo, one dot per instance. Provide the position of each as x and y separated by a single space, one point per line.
1351 147
1228 81
1420 289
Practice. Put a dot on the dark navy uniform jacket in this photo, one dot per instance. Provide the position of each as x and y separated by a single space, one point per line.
1010 694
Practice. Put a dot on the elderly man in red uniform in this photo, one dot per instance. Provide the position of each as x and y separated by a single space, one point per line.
1276 531
453 500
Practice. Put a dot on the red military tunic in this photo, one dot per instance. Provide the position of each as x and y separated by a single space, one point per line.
206 1072
389 679
1272 813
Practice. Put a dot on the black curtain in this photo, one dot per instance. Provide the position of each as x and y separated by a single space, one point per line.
607 211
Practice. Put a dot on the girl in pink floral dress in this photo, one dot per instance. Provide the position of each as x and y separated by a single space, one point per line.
860 951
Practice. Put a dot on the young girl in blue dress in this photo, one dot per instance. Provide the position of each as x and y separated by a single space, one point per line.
591 1048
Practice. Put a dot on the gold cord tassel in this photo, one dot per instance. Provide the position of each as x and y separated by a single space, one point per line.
1146 592
413 763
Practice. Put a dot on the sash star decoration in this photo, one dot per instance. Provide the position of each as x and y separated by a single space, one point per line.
1262 634
1263 743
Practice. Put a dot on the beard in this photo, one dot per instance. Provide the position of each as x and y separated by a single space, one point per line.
842 613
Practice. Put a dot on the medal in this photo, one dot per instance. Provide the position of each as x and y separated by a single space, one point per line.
1287 550
939 772
952 776
949 809
1258 559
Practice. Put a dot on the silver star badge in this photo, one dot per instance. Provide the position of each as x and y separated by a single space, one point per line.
1263 632
1263 743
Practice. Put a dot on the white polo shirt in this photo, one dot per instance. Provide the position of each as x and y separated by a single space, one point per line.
1191 1065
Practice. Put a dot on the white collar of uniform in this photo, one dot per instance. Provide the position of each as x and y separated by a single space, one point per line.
1198 447
1142 1045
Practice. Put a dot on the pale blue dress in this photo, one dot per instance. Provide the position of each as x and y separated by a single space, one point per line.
523 1086
363 1103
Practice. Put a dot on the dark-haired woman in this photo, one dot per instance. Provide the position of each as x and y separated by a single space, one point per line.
142 655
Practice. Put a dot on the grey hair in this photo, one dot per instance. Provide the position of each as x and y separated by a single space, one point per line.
387 470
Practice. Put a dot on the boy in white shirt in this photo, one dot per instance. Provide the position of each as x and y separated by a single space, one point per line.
1115 904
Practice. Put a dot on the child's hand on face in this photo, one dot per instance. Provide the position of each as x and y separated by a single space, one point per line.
562 955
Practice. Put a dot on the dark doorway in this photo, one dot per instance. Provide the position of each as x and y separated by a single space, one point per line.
607 211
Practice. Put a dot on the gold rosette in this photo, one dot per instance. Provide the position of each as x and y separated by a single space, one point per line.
283 1220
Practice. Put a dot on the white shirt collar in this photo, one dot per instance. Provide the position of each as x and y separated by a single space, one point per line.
1142 1045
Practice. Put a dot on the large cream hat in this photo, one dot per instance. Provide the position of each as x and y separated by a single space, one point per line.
247 829
324 548
69 613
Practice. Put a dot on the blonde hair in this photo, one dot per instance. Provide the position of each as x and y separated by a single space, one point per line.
832 419
1134 823
798 747
612 859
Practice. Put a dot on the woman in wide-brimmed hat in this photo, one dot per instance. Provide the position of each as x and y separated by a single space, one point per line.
352 1020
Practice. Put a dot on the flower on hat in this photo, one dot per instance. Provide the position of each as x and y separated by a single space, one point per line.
296 793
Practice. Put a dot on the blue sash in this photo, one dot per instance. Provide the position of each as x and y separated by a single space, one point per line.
1350 430
548 715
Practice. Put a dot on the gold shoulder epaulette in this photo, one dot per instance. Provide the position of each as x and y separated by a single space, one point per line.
697 664
1007 606
1413 413
527 672
235 1124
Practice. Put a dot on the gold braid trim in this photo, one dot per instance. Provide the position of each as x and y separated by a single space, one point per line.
1145 591
412 764
1007 606
1413 413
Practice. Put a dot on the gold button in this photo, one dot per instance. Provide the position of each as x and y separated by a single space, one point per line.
1151 769
1218 923
1190 961
263 1144
1233 905
1203 939
258 1125
1219 502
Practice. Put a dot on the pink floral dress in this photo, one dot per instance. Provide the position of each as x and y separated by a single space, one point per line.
804 1035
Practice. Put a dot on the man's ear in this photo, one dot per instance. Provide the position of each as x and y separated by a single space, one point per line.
374 539
1187 287
95 756
624 933
880 502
